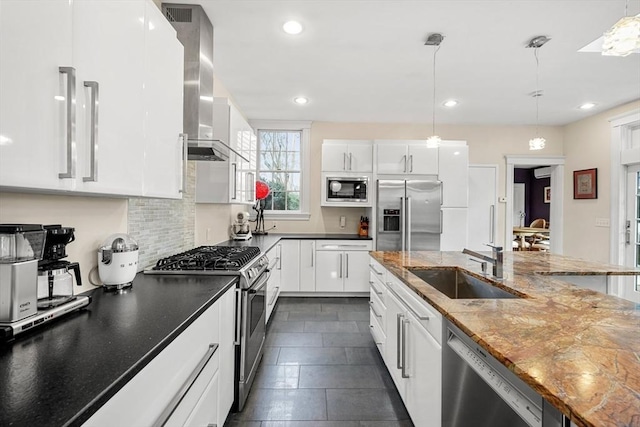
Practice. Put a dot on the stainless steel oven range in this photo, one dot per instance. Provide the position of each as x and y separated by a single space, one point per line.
253 273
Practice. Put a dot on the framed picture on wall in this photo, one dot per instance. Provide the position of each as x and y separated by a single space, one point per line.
547 194
585 184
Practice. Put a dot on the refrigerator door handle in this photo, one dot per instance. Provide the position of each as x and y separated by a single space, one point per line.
403 226
408 206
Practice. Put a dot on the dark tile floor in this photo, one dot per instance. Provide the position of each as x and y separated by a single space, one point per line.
321 368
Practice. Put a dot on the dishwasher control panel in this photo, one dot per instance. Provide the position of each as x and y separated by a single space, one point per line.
521 404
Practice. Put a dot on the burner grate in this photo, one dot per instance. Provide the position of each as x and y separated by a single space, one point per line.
209 258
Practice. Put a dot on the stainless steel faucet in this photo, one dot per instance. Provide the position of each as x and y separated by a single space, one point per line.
496 259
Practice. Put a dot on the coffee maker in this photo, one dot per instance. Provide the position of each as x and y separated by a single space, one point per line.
55 278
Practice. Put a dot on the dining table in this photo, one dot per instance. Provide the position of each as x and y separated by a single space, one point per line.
523 232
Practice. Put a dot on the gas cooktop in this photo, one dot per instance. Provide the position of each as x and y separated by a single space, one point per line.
209 258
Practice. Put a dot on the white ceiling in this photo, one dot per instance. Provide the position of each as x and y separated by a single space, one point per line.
365 61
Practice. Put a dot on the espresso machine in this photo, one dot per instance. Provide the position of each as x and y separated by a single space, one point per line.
35 284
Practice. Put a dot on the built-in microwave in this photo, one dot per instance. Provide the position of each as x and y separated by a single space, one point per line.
339 190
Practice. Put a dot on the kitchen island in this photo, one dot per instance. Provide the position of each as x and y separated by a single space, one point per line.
579 349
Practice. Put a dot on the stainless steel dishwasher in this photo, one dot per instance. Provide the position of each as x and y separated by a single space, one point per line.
479 391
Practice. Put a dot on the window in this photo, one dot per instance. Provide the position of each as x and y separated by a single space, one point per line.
279 168
283 164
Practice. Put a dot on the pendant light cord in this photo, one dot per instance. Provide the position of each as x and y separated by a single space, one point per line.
433 120
537 93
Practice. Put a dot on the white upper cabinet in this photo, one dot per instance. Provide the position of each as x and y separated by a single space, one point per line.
231 181
406 157
454 173
163 97
76 94
34 102
344 155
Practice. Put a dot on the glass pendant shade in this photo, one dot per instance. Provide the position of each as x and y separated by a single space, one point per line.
537 143
623 38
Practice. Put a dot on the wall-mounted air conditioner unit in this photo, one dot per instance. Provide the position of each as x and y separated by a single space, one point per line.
542 172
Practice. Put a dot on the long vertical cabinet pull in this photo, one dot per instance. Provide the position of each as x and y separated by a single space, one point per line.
71 122
405 322
350 163
344 161
251 183
404 160
234 167
346 266
279 256
185 155
441 221
399 319
313 249
95 96
408 223
340 270
492 212
403 226
411 163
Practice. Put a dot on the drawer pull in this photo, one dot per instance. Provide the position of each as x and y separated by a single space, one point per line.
175 401
374 288
407 305
374 310
375 271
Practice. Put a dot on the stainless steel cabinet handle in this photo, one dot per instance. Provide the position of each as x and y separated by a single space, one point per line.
373 329
350 161
375 313
251 183
344 161
404 349
95 94
279 256
403 226
185 142
275 295
340 271
441 192
492 210
404 160
346 266
374 288
398 340
312 251
409 223
236 340
175 401
441 221
71 122
406 305
371 266
234 166
411 163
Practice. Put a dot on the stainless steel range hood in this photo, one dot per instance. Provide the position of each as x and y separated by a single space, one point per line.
195 32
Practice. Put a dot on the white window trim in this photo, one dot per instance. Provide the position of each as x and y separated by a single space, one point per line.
305 165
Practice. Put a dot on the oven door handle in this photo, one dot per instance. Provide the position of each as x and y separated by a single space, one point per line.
261 284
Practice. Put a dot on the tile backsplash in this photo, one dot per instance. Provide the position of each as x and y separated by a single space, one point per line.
163 227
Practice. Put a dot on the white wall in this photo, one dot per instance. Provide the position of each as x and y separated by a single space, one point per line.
587 145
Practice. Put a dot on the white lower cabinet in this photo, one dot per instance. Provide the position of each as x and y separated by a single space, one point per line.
307 265
408 334
342 266
289 265
198 361
274 284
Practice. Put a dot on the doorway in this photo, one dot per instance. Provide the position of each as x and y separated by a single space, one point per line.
631 285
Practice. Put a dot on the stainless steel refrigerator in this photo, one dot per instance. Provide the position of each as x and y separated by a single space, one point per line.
409 215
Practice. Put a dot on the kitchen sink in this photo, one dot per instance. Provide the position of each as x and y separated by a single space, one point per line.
458 285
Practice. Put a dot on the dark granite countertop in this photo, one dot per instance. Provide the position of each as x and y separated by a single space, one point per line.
63 372
266 242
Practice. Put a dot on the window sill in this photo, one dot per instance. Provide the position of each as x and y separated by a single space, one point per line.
298 216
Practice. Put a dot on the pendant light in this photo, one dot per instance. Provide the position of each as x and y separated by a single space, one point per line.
536 43
624 37
434 40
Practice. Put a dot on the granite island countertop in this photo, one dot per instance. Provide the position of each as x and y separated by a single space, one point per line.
578 348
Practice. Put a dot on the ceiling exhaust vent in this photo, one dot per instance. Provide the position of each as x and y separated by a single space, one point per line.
178 14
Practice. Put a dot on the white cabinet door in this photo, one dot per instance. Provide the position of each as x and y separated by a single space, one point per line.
163 94
356 271
290 266
360 157
393 345
422 160
35 40
392 157
111 109
329 267
423 395
307 265
226 381
334 156
454 229
482 206
454 174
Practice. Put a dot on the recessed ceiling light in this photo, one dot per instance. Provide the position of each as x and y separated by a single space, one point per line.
451 103
587 106
301 100
292 27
